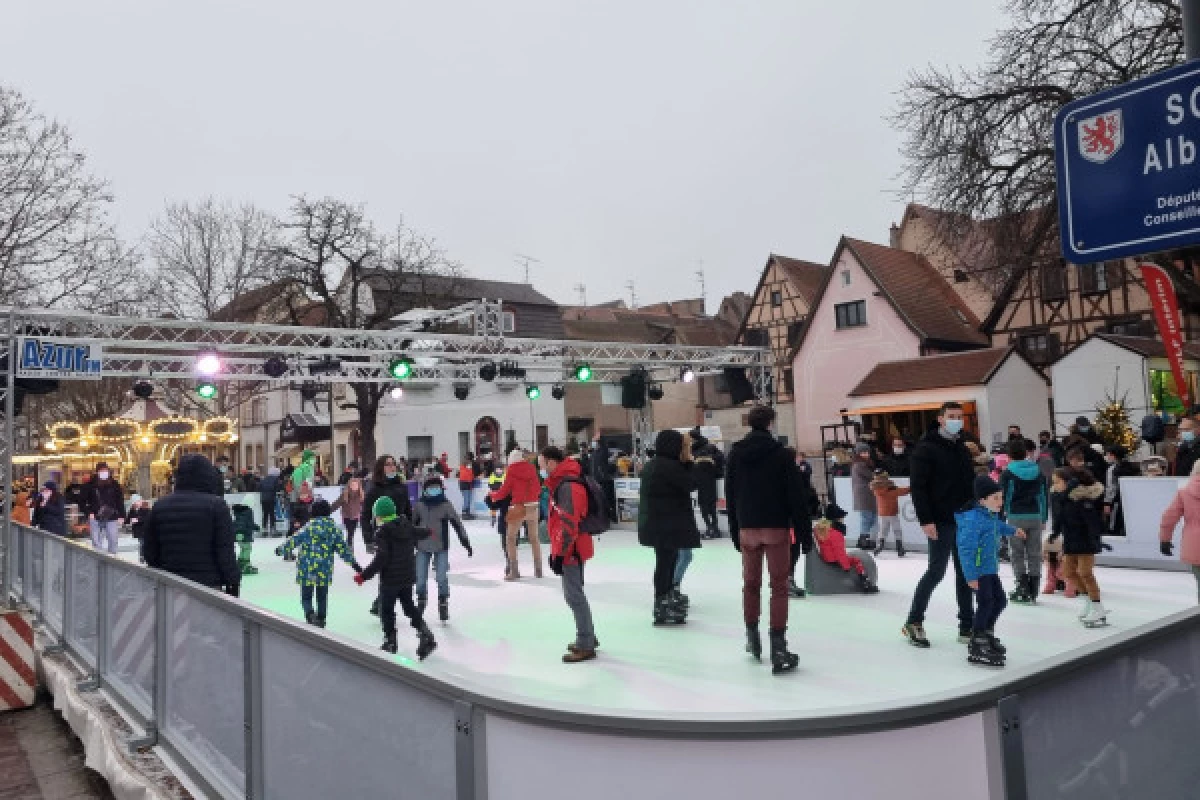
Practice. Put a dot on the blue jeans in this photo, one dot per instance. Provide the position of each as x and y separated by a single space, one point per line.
868 520
306 600
681 565
990 597
467 495
441 565
104 534
941 551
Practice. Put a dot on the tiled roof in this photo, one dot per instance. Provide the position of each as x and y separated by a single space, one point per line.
972 368
462 289
805 276
1147 347
919 294
246 306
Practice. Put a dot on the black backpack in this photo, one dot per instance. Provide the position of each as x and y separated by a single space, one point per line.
1153 429
595 521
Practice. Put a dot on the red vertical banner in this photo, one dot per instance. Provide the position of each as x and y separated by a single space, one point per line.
1166 314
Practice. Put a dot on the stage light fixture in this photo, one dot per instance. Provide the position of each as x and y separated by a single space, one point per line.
461 391
401 368
143 390
655 391
583 373
275 367
396 393
687 375
558 392
309 391
532 391
487 372
328 365
208 364
206 390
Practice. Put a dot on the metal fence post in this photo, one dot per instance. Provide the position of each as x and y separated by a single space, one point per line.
253 686
102 619
158 702
68 615
1008 713
464 750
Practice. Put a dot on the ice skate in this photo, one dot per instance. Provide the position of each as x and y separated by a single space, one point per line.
879 548
679 598
444 609
865 585
900 551
573 647
426 644
754 643
513 574
310 618
665 613
576 655
249 569
781 660
1085 609
319 622
794 590
980 651
1020 594
995 643
964 635
375 606
389 642
1097 617
915 634
1031 588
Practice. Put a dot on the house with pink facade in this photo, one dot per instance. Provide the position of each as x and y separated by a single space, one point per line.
876 304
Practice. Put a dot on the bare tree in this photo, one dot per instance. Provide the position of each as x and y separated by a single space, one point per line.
354 277
209 253
58 245
979 142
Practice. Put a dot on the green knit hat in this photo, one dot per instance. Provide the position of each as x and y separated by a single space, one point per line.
385 508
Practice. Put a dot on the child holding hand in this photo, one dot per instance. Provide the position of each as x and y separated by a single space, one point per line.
318 542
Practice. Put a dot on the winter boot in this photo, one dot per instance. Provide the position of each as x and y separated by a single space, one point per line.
679 598
915 634
422 601
995 643
1020 594
1097 616
781 660
900 551
1085 608
794 590
375 606
666 613
311 619
1031 588
754 642
444 608
389 642
426 644
980 651
864 584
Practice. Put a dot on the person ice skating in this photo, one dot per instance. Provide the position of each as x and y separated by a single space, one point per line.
666 521
831 545
350 501
466 485
1185 506
764 498
318 542
979 531
1049 447
105 505
50 512
570 547
1077 517
269 489
708 467
522 487
942 484
301 514
897 464
494 482
395 563
887 501
435 512
244 527
861 474
386 481
1026 506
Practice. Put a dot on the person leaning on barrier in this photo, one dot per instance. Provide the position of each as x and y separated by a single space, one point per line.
190 531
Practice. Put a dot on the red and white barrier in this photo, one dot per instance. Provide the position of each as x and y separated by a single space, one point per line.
18 679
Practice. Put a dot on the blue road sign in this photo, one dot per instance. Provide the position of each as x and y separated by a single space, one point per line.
1129 168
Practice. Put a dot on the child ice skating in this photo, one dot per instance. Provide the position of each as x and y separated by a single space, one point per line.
887 499
979 532
1026 504
244 528
831 544
435 512
1076 502
395 563
318 542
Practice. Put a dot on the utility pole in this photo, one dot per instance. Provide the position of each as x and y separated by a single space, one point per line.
525 261
632 294
703 290
582 289
1191 29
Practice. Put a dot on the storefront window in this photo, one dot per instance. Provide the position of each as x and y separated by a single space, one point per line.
1166 395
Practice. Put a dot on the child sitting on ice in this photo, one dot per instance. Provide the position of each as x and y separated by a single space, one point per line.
831 545
318 542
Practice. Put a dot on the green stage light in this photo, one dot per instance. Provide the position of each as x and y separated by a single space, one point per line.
583 373
206 391
401 368
533 392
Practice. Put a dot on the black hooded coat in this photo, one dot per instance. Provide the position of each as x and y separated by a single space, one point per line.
190 531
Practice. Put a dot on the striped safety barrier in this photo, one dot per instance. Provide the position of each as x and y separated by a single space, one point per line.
18 680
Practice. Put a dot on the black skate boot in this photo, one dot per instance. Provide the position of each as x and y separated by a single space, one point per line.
900 551
426 644
444 608
864 583
879 547
679 598
754 643
781 660
794 590
389 642
311 619
319 622
1020 594
995 643
980 651
1032 582
666 613
375 606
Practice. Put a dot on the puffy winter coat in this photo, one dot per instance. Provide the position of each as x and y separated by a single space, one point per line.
51 515
707 468
1079 518
318 542
438 514
1185 506
521 484
979 532
396 556
1026 493
568 505
190 532
104 499
763 489
665 515
943 479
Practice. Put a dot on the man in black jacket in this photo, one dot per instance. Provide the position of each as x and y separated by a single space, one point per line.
898 464
190 531
941 484
709 467
765 497
602 473
1188 451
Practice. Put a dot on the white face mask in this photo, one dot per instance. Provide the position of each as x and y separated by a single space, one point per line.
898 451
102 475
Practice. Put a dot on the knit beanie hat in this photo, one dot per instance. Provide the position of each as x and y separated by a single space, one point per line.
321 507
385 508
985 487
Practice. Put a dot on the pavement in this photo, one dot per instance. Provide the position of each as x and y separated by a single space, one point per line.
41 758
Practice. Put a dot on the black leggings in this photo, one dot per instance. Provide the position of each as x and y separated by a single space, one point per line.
664 569
351 527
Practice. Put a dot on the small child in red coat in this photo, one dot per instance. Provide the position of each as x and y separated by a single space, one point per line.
830 533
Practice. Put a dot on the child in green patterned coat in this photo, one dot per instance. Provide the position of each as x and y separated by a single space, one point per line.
318 542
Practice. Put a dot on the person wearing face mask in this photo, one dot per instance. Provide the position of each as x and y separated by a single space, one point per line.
230 482
897 465
1083 427
1188 451
105 505
435 512
50 511
386 481
942 484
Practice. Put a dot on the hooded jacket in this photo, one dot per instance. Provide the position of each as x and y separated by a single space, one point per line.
1026 493
979 532
521 484
708 467
665 515
318 542
1185 506
1078 517
395 556
763 489
190 531
943 478
568 505
438 515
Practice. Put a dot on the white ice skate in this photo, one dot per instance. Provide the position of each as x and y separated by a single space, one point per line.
1085 608
1097 617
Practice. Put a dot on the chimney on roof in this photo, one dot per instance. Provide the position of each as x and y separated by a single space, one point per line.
894 236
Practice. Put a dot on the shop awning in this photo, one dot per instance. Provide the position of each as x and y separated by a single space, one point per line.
303 428
968 408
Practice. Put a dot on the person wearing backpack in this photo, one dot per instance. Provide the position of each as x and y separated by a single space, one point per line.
570 546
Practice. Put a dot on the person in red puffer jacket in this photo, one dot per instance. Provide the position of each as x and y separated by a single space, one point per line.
523 488
570 548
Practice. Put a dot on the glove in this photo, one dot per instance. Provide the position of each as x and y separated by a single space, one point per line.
233 589
1166 548
358 579
355 566
556 565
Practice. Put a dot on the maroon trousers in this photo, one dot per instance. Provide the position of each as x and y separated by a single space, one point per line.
776 545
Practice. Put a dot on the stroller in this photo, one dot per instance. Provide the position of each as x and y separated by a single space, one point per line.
244 528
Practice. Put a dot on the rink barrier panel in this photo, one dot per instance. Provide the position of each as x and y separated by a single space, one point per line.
87 575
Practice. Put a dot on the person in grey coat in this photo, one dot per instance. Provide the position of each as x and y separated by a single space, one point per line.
433 510
861 474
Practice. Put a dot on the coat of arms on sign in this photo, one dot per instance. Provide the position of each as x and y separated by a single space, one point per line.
1101 136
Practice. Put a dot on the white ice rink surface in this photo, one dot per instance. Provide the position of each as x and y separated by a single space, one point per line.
507 639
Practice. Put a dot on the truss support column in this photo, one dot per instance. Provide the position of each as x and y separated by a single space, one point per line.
762 382
641 422
8 574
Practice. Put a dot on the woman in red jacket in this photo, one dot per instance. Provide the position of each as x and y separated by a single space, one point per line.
523 488
570 548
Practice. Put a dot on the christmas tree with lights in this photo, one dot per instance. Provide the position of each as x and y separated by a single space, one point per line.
1113 423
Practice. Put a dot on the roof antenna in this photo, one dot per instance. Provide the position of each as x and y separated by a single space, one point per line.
525 261
703 291
632 294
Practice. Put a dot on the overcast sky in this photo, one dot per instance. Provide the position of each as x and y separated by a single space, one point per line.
614 141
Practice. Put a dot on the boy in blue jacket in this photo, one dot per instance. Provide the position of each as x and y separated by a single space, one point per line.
979 532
